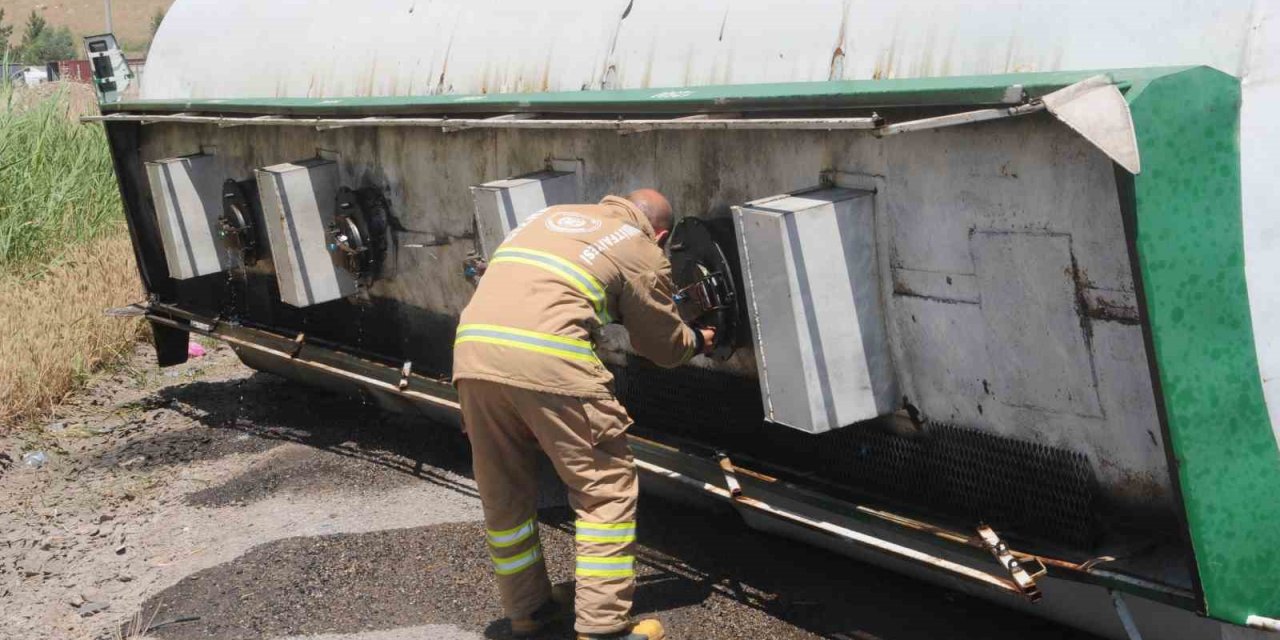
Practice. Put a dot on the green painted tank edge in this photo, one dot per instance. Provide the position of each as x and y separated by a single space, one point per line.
1190 246
954 90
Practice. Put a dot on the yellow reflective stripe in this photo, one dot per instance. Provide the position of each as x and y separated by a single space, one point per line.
544 343
513 536
550 337
595 299
528 347
515 564
612 526
606 566
617 533
581 279
586 275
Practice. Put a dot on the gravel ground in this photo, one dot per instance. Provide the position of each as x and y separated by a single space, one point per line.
208 501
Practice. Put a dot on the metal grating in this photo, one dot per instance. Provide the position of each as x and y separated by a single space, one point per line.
955 472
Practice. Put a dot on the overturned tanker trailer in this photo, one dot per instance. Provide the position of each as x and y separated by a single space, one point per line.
980 275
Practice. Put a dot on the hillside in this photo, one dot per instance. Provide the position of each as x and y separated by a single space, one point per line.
85 17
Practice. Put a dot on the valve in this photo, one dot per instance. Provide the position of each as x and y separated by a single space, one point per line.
358 234
236 224
707 293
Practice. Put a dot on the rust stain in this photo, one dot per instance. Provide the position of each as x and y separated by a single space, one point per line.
646 79
886 65
945 69
444 66
923 67
366 86
836 67
545 83
609 75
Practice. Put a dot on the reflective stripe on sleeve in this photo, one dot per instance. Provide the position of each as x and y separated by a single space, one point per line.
513 536
606 566
618 533
517 563
580 278
545 343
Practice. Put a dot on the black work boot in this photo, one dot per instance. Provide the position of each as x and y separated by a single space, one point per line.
558 608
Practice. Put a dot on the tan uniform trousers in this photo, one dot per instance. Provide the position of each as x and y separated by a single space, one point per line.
585 440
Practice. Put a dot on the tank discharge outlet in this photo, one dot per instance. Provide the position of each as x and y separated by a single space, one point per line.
238 225
502 205
707 292
359 232
299 206
187 193
813 296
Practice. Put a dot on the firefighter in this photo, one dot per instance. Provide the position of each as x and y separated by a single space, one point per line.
529 380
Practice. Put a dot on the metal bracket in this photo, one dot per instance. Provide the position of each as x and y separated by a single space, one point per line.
405 371
297 344
1026 580
730 479
744 503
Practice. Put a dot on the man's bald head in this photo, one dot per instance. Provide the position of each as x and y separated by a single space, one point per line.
654 206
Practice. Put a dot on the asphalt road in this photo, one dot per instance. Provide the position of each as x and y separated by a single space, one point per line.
273 510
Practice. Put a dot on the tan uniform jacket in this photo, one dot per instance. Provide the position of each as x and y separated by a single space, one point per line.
559 277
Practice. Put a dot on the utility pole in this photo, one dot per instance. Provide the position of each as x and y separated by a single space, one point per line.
107 4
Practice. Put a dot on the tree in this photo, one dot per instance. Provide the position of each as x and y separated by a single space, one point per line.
36 24
6 32
42 43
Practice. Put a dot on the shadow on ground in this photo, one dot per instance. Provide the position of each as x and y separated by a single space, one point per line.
702 571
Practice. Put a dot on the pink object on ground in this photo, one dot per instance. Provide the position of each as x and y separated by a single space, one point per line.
194 350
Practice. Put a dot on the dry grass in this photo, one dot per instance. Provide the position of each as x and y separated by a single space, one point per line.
65 254
53 332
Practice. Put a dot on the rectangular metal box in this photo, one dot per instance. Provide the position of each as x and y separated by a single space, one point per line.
813 294
298 204
187 193
502 205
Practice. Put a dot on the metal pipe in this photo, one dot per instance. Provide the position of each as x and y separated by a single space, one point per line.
1266 624
837 531
458 124
873 124
956 119
1087 568
355 377
1126 617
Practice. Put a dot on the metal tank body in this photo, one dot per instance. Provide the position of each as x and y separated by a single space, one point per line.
1033 312
412 48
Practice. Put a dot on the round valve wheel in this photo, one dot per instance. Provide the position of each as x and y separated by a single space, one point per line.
358 232
706 293
235 225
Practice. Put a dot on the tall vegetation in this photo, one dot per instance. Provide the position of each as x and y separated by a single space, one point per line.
65 255
56 182
6 32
